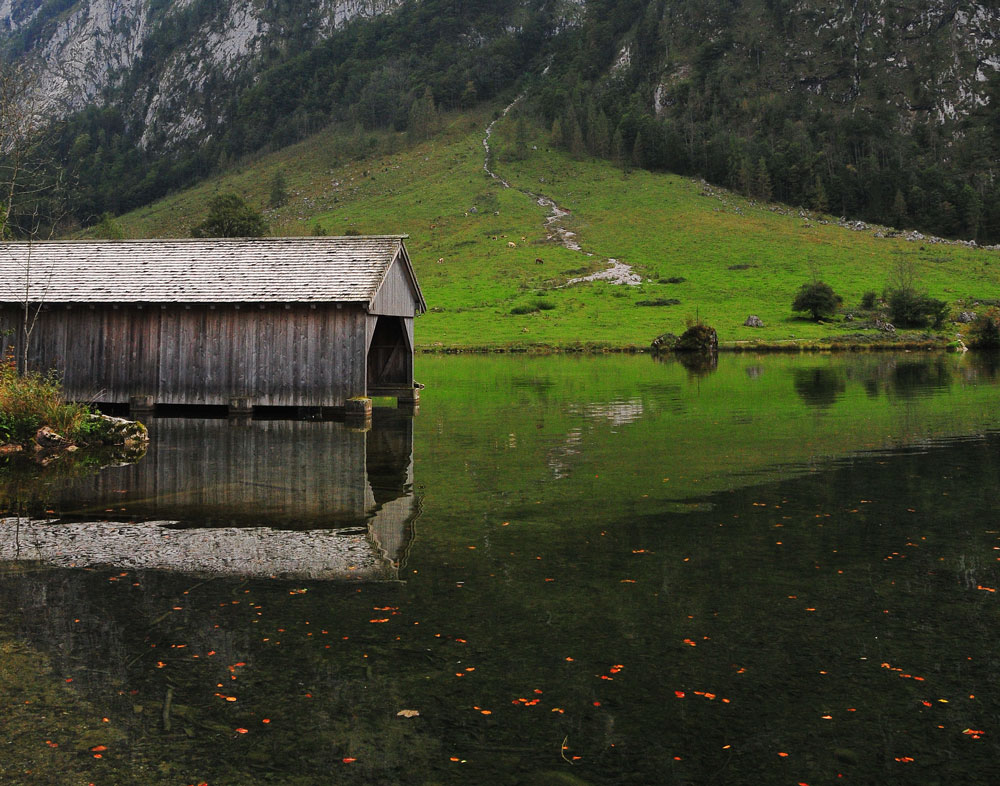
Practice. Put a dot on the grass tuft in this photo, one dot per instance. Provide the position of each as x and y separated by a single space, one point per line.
30 401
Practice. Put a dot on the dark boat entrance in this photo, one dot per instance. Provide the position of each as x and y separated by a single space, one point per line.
390 359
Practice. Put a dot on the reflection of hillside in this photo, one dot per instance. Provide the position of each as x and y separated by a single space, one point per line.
289 498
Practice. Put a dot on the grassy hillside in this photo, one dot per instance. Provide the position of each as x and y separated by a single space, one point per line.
476 245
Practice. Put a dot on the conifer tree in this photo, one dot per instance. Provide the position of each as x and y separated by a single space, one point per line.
899 209
762 181
639 151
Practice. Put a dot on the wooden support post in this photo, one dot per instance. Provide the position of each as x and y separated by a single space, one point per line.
409 400
240 406
358 413
141 405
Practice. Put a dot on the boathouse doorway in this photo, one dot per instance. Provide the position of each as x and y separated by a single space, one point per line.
390 357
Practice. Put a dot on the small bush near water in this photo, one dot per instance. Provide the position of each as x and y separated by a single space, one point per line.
30 401
984 332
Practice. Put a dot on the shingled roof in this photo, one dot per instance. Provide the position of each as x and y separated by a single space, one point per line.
215 270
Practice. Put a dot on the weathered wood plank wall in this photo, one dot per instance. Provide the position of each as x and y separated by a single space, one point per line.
295 355
396 297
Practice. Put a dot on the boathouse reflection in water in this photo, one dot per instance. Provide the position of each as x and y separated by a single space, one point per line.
283 498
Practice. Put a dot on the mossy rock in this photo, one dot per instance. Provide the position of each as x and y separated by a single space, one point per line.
106 430
698 338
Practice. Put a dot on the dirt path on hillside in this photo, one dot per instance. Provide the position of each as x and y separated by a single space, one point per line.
617 272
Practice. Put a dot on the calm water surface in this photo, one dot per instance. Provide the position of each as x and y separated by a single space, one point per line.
566 570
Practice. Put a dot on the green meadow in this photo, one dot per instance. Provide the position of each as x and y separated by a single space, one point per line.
482 251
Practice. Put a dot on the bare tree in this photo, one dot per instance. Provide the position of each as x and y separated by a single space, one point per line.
31 181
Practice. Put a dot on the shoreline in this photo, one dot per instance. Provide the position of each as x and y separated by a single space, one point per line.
789 346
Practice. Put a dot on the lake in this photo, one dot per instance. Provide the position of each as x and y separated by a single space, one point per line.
563 570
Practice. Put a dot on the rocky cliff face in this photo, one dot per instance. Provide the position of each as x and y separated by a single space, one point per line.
171 56
173 61
924 58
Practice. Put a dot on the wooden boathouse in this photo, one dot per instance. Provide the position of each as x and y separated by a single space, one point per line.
281 322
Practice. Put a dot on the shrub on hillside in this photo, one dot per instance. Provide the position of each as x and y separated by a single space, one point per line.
910 308
984 331
230 216
817 298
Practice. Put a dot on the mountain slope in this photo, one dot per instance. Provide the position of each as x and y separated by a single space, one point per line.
882 109
886 110
483 251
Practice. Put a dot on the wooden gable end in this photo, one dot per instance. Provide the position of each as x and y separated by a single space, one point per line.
399 294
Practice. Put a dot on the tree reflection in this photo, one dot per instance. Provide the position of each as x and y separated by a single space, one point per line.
819 387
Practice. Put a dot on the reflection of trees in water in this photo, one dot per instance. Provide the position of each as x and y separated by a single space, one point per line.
983 363
911 377
819 387
902 376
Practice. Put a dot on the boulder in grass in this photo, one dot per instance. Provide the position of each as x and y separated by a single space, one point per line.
966 317
665 342
753 321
